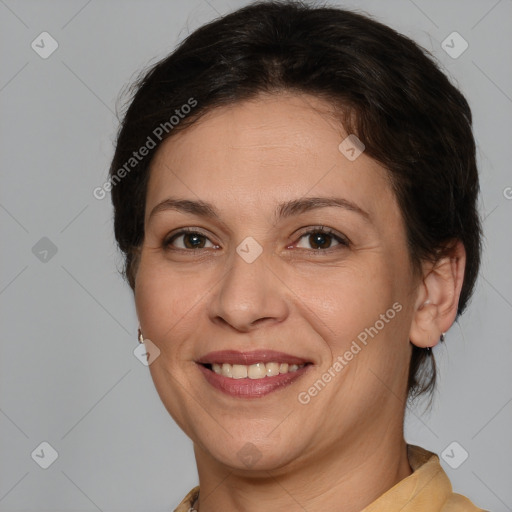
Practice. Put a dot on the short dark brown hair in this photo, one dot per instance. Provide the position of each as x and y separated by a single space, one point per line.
389 91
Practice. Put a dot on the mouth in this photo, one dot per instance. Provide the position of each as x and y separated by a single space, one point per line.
251 374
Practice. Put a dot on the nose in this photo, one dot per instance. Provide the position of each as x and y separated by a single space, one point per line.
250 294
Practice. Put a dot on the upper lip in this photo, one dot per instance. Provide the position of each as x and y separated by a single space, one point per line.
248 358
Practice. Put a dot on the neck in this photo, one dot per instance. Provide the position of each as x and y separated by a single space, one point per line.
345 479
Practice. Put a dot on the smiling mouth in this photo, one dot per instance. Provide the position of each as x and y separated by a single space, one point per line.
252 381
251 374
253 371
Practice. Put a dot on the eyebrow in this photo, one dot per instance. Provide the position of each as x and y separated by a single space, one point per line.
283 210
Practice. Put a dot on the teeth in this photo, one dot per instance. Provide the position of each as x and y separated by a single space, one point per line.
257 371
227 370
254 371
272 369
238 371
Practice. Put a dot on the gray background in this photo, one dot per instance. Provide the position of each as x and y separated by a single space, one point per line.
68 374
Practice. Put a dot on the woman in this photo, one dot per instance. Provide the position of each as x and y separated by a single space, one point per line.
295 194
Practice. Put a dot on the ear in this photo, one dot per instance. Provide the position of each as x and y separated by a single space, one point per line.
438 297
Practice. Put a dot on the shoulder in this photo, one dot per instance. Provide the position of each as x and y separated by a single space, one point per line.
459 503
187 502
433 479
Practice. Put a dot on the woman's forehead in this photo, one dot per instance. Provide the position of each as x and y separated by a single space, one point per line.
275 142
228 160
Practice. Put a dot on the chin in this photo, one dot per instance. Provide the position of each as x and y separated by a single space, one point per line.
252 454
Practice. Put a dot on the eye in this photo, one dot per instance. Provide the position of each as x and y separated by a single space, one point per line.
318 238
321 238
188 239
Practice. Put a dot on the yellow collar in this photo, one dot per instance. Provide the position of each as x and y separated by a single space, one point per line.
427 489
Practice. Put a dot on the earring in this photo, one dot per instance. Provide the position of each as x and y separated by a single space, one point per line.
429 349
140 337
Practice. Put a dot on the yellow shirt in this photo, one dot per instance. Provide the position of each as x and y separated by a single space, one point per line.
427 489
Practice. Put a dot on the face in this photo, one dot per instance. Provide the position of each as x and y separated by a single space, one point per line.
263 279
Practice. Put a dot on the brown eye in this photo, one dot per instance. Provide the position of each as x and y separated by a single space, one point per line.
194 241
186 239
321 239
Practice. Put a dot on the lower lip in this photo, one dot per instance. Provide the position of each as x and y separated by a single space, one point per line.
251 388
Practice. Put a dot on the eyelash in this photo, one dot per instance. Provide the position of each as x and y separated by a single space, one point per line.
342 240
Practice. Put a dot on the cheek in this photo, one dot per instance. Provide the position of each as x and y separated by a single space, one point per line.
163 302
347 299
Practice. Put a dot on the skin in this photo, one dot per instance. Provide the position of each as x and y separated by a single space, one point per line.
295 298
